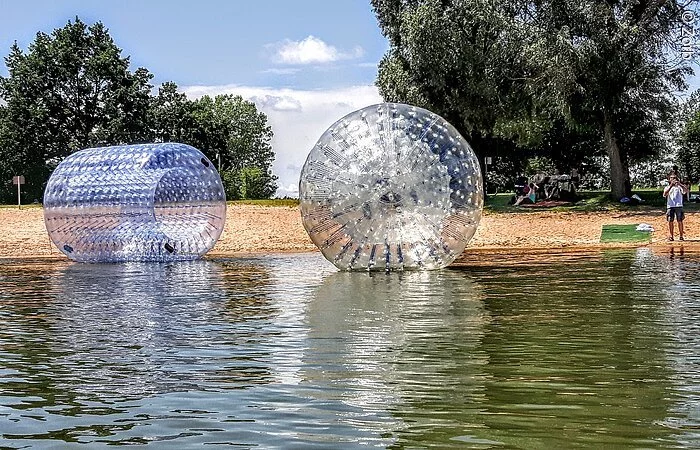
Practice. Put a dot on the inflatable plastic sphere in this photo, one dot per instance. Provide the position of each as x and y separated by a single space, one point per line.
391 187
152 202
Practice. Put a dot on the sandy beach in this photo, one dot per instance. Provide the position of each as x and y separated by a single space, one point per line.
254 229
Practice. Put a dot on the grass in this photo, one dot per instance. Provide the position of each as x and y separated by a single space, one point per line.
267 202
623 233
591 201
28 206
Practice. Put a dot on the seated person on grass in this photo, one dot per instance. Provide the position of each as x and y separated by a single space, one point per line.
529 195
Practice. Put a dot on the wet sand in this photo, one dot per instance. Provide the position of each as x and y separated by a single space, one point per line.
254 229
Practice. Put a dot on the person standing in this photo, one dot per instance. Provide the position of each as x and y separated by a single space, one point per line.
674 193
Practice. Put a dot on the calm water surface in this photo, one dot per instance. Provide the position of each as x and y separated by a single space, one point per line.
530 351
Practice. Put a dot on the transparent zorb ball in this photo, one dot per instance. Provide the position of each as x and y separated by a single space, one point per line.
151 202
391 187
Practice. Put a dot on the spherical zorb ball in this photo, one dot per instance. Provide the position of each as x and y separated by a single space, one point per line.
391 187
152 202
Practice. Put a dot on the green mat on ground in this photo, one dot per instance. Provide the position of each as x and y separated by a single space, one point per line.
623 233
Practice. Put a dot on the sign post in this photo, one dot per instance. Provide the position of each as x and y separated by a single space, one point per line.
19 181
487 161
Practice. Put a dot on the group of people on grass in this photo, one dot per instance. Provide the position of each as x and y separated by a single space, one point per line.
555 187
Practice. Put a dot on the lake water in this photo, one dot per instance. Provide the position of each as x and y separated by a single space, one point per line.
572 350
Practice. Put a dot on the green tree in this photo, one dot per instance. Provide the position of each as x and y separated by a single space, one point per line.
687 135
255 184
689 148
232 132
613 65
172 115
514 68
228 129
456 58
6 163
71 90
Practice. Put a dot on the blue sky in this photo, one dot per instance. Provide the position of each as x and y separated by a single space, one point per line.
305 63
307 44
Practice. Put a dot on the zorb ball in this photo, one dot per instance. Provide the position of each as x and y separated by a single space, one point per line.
391 187
152 202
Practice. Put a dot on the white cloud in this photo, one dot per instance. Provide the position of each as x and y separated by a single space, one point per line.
284 71
298 118
277 103
311 50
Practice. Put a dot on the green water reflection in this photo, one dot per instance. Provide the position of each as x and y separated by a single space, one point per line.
565 350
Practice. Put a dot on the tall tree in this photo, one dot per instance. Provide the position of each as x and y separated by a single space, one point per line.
172 114
515 67
614 65
229 130
233 129
456 58
71 89
688 137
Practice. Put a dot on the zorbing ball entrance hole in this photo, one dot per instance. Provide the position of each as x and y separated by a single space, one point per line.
391 187
151 202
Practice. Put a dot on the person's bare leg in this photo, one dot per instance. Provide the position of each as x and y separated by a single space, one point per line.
670 230
680 230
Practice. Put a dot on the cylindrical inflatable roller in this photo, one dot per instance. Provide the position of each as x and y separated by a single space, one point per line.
150 202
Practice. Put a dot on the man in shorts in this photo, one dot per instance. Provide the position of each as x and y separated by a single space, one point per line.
674 193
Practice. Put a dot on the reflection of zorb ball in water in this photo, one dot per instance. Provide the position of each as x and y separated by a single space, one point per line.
391 187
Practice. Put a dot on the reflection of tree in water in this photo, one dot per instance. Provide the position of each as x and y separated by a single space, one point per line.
25 327
395 348
575 353
119 332
247 285
678 292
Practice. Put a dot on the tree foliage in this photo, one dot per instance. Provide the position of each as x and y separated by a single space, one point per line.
688 137
517 69
73 89
227 129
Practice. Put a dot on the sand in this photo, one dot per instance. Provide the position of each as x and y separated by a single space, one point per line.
268 229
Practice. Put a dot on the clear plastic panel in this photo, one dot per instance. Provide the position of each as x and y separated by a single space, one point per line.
391 187
151 202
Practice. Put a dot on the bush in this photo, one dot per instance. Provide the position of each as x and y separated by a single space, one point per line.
249 183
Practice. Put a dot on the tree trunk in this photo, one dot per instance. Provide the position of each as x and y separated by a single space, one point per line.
619 172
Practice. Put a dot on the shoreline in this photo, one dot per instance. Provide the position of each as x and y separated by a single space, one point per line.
261 229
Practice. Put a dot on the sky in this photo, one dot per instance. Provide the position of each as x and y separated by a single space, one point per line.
305 63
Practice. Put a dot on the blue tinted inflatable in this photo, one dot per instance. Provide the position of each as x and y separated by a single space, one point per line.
151 202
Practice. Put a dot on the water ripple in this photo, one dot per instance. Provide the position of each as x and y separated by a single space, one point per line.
516 351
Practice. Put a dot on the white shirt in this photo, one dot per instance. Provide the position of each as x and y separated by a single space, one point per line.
675 197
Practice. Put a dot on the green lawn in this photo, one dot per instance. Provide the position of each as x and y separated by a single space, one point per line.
591 201
30 205
623 233
269 202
